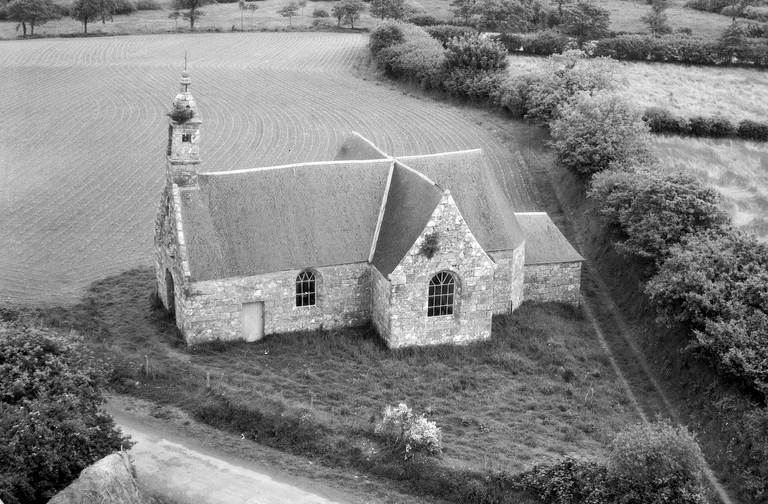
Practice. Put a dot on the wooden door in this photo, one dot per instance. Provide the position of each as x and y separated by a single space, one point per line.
253 321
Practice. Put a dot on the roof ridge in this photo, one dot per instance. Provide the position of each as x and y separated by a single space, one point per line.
295 165
440 154
382 208
417 172
369 142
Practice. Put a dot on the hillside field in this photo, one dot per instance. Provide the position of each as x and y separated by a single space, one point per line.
82 143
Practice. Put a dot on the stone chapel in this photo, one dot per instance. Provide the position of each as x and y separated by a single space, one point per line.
426 248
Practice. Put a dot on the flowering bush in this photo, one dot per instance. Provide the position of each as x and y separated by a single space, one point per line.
409 432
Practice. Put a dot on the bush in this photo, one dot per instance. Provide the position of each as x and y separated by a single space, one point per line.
323 23
147 5
568 481
408 432
594 131
550 89
444 33
4 12
123 7
475 53
753 130
715 127
385 35
50 424
423 20
716 283
320 13
418 58
651 211
652 456
660 120
181 114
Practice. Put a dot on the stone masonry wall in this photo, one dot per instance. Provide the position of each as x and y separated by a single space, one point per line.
553 282
508 280
170 249
380 302
213 309
460 254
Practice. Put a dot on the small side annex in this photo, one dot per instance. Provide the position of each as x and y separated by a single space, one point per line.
427 248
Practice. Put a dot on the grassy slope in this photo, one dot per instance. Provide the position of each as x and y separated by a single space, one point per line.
541 388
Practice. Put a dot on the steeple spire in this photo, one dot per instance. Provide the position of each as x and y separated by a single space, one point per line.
183 135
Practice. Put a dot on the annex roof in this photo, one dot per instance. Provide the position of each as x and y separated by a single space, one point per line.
544 243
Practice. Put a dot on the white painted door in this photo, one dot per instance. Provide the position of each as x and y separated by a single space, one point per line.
253 321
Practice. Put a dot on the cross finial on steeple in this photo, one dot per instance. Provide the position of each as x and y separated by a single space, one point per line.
185 59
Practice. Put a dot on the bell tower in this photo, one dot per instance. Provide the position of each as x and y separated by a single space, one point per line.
183 153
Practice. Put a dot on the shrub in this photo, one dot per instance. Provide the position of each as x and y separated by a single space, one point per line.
64 10
321 23
147 5
4 12
570 480
444 33
385 35
550 89
320 13
475 53
700 126
716 283
720 127
659 459
660 120
651 211
753 130
409 433
423 20
585 20
593 131
418 58
50 424
123 7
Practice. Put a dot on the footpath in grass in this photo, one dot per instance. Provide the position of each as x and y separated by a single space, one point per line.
541 388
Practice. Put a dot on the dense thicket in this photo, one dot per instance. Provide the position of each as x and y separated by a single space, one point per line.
50 424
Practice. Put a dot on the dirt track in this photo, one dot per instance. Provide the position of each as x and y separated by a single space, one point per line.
83 134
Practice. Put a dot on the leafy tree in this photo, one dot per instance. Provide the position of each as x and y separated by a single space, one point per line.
175 15
191 10
650 211
734 36
509 15
656 19
593 131
716 283
32 12
662 462
545 92
737 8
560 4
289 10
585 20
348 11
463 9
86 11
389 9
50 424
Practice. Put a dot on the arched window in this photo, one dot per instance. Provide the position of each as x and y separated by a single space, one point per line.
440 301
305 289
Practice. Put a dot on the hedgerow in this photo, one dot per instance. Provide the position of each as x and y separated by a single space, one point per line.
669 48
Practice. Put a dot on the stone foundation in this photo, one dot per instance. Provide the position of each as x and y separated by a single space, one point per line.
553 282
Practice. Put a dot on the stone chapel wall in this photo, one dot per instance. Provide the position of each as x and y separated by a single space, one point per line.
460 254
213 309
553 282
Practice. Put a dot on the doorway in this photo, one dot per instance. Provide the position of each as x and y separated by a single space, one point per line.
253 321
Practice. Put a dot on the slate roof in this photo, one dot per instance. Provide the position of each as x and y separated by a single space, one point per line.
373 207
247 222
410 202
544 243
477 194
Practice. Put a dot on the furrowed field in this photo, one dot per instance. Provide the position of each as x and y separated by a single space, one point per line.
83 137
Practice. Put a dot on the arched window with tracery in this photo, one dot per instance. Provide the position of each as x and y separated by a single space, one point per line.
306 289
441 297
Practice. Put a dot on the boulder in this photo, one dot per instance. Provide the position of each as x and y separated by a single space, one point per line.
108 481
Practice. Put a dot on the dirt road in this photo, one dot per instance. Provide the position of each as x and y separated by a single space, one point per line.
181 468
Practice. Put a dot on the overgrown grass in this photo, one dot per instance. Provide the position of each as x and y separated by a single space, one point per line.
542 386
737 169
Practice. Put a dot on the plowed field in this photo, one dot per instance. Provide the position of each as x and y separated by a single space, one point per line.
83 133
